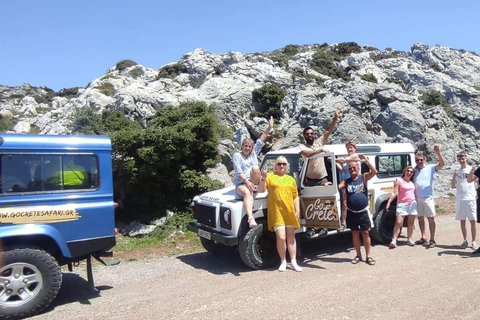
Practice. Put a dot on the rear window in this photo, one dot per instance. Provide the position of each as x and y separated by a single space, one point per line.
22 173
392 165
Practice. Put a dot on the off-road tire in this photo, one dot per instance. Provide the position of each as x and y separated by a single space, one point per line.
215 248
384 222
29 271
257 247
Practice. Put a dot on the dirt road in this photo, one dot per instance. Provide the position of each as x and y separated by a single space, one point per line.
407 282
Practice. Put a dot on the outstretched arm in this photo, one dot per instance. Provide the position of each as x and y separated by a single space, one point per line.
441 161
264 135
330 128
393 196
373 170
471 176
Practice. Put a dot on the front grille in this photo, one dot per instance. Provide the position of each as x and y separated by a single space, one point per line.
205 214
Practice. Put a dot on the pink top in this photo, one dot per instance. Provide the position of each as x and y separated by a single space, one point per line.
406 191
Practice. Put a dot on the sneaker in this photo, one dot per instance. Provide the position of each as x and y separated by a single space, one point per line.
474 245
393 244
295 266
464 244
283 266
410 242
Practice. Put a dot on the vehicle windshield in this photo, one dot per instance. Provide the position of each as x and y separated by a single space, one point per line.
295 163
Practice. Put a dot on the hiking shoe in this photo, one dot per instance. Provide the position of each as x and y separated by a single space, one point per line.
464 244
474 245
393 244
410 242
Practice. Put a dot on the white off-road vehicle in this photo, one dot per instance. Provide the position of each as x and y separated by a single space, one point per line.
222 225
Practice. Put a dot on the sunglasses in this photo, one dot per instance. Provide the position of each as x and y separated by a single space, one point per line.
310 133
419 160
281 164
409 171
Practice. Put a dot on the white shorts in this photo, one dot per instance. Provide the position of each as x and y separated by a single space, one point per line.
406 209
426 207
465 210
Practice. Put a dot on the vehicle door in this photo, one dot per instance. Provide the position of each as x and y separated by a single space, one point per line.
320 205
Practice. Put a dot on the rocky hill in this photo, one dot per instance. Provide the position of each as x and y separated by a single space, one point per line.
426 96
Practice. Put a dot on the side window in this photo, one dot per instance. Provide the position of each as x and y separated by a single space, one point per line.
391 165
36 173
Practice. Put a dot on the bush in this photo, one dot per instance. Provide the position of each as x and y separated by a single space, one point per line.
434 98
136 72
397 81
163 165
323 62
7 124
369 77
172 70
107 89
268 99
346 48
309 77
124 64
283 55
68 92
45 98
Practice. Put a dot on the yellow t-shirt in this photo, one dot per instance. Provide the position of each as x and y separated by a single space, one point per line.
281 193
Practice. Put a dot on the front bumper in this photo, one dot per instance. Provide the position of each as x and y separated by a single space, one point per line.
214 235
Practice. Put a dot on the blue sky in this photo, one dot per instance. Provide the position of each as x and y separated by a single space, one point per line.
67 43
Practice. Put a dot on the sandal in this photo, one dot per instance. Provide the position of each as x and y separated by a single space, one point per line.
251 222
370 261
421 241
432 244
356 260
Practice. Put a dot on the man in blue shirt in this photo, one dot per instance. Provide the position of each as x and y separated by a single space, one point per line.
424 176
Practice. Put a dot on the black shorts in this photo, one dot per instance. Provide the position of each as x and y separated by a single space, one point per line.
359 221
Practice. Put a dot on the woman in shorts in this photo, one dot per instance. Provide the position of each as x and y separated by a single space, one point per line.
404 189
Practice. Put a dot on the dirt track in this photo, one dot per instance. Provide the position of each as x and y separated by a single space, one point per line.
420 283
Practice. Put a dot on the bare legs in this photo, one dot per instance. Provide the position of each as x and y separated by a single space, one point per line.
357 243
246 191
431 226
463 226
286 241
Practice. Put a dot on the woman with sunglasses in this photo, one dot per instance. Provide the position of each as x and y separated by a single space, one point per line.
247 173
404 189
283 210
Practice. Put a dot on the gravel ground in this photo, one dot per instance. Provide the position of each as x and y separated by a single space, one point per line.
407 282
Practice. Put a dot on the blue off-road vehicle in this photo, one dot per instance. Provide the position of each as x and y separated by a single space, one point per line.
56 208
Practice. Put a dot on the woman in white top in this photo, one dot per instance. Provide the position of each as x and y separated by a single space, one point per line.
247 173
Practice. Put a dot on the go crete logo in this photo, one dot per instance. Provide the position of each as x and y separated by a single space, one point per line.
38 214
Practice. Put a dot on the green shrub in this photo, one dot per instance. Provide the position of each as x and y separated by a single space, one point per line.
283 55
380 55
124 64
163 165
397 81
323 62
172 70
346 48
309 77
268 99
370 77
68 92
45 98
136 72
434 98
7 124
107 89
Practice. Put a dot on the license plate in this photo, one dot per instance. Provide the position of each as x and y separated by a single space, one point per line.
205 234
